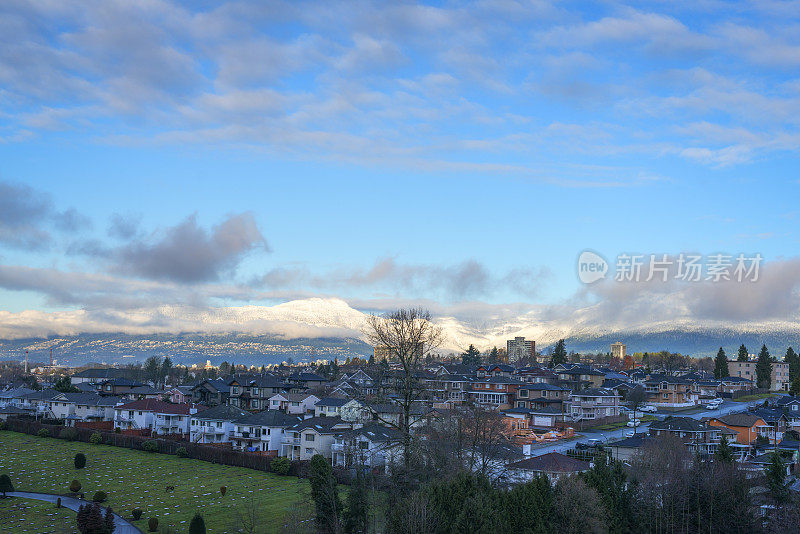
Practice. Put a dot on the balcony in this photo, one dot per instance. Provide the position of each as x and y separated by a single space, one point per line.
291 441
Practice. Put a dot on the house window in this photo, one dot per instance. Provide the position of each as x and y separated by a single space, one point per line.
309 450
309 437
219 424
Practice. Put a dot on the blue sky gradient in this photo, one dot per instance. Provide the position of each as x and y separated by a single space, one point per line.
384 153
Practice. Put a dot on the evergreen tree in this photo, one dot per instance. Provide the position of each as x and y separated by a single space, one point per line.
609 479
794 389
559 354
5 484
742 354
764 369
793 359
325 494
198 525
776 479
152 369
356 514
721 365
371 361
471 357
494 355
166 367
64 385
724 452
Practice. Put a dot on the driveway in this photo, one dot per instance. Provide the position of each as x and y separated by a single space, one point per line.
123 526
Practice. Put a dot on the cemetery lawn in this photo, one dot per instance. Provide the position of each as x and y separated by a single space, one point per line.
19 516
138 479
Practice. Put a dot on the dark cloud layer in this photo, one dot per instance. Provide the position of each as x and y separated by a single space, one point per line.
188 253
27 217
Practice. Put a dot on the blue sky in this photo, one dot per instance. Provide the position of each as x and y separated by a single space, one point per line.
210 154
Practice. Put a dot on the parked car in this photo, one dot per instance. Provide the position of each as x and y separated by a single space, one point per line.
589 444
648 408
633 423
630 433
713 404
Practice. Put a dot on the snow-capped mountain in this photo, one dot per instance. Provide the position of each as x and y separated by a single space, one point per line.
328 327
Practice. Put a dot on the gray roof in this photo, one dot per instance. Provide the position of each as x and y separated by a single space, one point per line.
374 432
552 462
223 412
679 424
332 401
273 418
323 425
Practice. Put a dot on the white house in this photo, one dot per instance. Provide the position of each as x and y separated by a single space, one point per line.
215 425
312 436
594 403
372 445
263 431
160 417
330 407
83 407
293 403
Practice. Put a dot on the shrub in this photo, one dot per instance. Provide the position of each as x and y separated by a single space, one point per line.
222 490
136 514
150 446
96 438
2 425
152 524
91 521
75 486
5 484
69 434
80 460
58 502
182 452
280 465
43 433
198 525
100 496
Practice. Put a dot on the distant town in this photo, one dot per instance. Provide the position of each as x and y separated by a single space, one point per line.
516 413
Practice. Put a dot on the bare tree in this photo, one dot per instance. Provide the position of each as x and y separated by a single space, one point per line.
407 335
636 397
248 516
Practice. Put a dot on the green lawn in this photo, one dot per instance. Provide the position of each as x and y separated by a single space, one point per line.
138 479
19 516
748 398
644 418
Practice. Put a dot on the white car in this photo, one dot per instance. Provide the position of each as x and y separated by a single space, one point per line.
649 408
630 433
713 405
633 423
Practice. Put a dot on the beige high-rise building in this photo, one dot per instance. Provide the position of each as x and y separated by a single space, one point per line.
619 350
518 348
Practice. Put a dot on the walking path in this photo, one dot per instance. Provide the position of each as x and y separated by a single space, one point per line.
123 526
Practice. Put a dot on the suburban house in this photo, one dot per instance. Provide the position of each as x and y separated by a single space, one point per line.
578 376
157 416
330 406
540 395
700 437
211 392
96 376
179 394
307 380
312 436
747 426
83 407
293 403
593 403
495 391
214 425
116 386
670 392
253 392
372 445
553 464
262 432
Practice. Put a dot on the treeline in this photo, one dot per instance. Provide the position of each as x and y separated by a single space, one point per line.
666 489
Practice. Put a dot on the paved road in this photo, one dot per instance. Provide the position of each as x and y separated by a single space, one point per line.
610 436
123 527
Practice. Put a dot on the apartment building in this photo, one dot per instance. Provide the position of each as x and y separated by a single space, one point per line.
519 348
747 369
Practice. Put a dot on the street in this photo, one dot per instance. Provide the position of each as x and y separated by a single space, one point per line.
610 436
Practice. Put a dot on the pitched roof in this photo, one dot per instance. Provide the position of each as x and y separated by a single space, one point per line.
332 401
540 386
260 381
156 406
739 419
679 424
323 425
552 462
374 432
223 412
273 418
595 392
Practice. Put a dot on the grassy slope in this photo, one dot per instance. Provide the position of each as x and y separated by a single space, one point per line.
133 478
19 516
